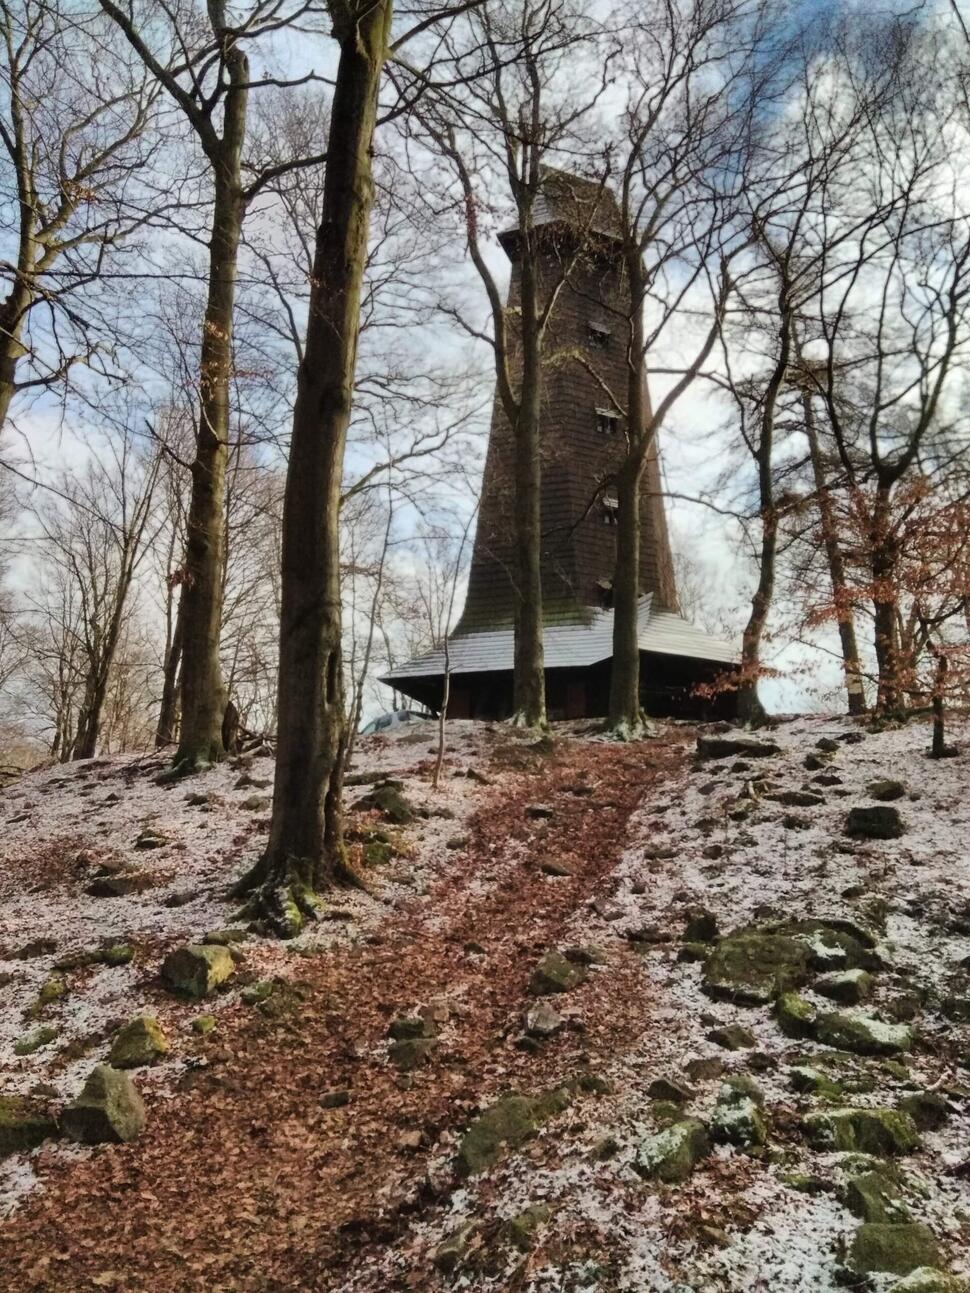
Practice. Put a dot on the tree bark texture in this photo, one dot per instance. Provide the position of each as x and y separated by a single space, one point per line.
305 850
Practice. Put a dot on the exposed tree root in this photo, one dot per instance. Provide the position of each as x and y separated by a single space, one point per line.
188 766
644 729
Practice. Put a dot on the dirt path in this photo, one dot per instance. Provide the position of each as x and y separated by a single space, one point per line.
243 1180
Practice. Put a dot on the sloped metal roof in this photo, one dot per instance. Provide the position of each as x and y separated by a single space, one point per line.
571 645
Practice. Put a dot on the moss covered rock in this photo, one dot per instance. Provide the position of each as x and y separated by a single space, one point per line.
753 967
503 1125
928 1109
896 1249
521 1230
109 1108
846 986
35 1039
555 973
23 1124
861 1034
730 747
733 1037
139 1043
454 1247
795 1015
874 822
927 1279
388 799
875 1196
197 969
867 1131
673 1153
738 1118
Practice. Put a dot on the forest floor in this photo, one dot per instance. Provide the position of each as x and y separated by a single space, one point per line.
296 1146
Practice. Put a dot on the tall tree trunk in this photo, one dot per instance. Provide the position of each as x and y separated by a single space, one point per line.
168 710
883 568
528 678
203 692
305 849
13 313
855 692
626 713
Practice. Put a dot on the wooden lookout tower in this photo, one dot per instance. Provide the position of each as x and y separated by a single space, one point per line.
584 355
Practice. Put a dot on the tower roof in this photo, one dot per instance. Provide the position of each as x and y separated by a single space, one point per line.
571 203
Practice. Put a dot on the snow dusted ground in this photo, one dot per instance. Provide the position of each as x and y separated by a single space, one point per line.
736 1226
63 827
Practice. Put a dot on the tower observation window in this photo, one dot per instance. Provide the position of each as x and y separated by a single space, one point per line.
607 421
611 509
598 335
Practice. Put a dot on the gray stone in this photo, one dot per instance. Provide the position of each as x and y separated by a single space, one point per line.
795 1015
139 1043
23 1124
109 1108
733 1037
886 789
197 969
875 1196
555 973
846 986
726 747
927 1279
542 1021
453 1248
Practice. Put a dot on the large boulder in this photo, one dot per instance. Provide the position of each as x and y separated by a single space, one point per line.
197 969
881 1132
753 967
23 1124
848 987
139 1043
109 1108
894 1249
388 799
673 1153
861 1034
927 1279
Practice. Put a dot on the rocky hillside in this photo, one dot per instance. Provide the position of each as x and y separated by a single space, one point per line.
685 1017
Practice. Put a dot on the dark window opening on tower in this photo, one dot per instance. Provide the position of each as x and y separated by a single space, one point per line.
611 510
598 335
607 421
604 590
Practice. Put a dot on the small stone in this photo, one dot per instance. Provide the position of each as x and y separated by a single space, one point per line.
539 812
692 953
452 1249
722 747
796 798
897 1249
411 1053
521 1229
36 947
457 842
812 1081
733 1037
386 798
33 1041
928 1109
706 1068
149 839
225 937
847 986
664 1088
336 1099
555 974
52 989
256 993
542 1021
550 867
197 969
109 1108
886 790
876 822
410 1026
737 1118
673 1153
586 954
507 1123
23 1125
203 1024
795 1015
701 926
139 1043
827 745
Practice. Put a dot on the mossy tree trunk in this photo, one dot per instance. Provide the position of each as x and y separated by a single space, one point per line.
305 850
